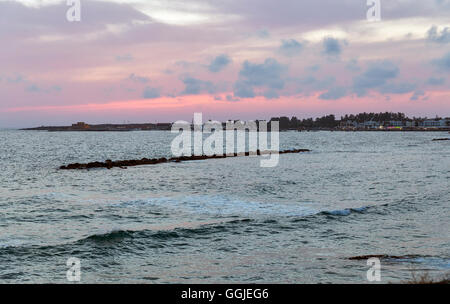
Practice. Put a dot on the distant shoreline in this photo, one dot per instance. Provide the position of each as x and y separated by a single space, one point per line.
83 127
69 129
382 122
283 125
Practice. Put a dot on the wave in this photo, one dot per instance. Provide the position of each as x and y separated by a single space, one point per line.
12 243
210 228
218 205
344 212
427 260
221 206
161 234
237 217
178 232
116 236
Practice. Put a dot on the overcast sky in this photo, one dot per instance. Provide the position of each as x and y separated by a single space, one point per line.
163 60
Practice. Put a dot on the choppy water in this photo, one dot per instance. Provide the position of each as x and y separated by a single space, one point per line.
223 220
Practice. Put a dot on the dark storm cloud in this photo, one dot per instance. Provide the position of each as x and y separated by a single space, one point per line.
437 36
334 93
443 63
332 46
291 47
195 86
376 76
435 81
270 74
219 63
151 93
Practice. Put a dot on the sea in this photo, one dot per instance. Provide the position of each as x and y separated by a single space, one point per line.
224 220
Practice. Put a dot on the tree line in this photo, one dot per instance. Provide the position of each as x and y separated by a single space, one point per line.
329 121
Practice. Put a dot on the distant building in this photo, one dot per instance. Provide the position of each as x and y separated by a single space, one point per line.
164 126
410 124
80 125
371 124
348 124
395 123
433 123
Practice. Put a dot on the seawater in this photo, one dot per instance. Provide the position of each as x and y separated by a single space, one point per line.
223 220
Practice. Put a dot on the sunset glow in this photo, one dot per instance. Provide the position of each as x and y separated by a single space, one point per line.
163 61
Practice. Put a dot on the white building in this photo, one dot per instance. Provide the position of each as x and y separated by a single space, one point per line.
410 123
371 124
433 123
396 123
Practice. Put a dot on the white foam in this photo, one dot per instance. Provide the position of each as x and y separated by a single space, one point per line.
441 263
12 243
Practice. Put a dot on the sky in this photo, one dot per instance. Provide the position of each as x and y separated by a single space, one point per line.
163 60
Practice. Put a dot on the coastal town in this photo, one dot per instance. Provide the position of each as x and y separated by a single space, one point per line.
387 121
407 124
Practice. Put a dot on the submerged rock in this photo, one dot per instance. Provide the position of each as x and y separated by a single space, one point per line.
440 139
383 256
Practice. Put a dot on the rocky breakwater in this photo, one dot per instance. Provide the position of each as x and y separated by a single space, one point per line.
108 164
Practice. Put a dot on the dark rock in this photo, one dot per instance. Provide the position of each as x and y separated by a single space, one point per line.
441 139
145 161
382 256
